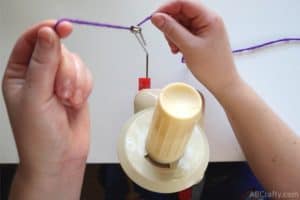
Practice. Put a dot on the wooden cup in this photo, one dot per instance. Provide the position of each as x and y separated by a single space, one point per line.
177 111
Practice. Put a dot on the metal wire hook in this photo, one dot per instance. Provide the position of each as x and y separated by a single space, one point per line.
137 31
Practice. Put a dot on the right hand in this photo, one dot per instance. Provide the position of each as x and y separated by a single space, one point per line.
200 35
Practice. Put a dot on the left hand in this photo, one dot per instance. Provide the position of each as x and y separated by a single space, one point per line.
46 89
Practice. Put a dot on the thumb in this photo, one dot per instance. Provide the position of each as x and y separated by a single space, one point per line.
177 33
44 64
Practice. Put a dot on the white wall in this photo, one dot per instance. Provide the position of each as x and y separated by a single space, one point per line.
116 60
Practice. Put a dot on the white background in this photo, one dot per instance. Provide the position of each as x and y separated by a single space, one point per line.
116 60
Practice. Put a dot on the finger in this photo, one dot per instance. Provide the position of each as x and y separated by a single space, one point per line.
21 53
173 47
20 56
23 48
89 84
66 75
174 31
43 64
82 83
189 13
188 8
64 29
86 89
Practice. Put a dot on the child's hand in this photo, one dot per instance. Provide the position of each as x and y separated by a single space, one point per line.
199 34
45 89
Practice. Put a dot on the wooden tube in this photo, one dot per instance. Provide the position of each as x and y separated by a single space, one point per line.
177 111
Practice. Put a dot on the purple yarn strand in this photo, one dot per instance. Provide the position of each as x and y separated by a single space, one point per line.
90 23
144 20
259 46
113 26
97 24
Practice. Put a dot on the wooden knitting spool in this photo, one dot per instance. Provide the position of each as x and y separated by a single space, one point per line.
163 147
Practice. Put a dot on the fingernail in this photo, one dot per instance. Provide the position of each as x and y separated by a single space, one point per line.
158 21
174 49
77 97
45 39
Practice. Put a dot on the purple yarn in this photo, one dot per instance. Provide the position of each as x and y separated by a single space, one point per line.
89 23
144 20
259 46
113 26
97 24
